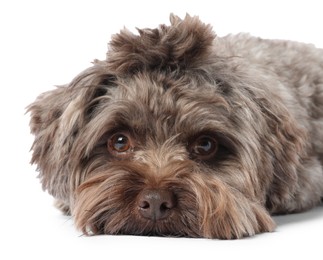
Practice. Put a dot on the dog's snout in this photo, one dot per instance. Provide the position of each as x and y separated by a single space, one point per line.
156 204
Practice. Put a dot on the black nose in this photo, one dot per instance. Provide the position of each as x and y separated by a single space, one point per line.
156 204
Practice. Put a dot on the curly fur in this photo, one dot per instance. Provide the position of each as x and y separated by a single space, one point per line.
261 99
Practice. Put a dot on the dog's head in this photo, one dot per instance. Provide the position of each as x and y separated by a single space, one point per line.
166 137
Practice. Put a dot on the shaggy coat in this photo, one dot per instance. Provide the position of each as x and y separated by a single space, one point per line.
225 130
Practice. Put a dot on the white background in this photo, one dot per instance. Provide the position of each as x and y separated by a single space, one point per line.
46 43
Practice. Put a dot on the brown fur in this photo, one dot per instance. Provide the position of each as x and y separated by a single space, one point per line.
261 100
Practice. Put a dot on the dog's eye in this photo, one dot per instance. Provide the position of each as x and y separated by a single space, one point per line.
204 147
120 144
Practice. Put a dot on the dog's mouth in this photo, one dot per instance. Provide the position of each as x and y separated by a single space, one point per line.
153 213
119 201
168 227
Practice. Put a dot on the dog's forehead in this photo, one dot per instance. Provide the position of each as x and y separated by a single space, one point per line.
172 104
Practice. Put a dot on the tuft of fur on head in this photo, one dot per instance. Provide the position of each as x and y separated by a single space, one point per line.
184 44
166 89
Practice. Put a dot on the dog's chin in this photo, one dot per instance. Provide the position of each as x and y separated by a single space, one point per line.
107 203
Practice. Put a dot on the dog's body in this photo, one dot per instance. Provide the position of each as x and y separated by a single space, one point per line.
183 133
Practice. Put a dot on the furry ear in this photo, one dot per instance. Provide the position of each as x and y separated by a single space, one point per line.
283 140
286 144
183 45
56 119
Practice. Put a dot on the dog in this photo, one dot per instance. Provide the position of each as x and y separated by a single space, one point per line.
183 133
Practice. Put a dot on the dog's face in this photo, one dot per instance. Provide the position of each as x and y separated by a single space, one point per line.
163 161
161 146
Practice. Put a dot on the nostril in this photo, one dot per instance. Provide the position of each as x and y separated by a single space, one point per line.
143 204
166 206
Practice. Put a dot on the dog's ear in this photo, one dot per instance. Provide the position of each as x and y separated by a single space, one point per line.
182 45
56 118
278 141
285 142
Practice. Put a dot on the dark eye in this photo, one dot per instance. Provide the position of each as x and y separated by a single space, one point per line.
204 147
120 144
